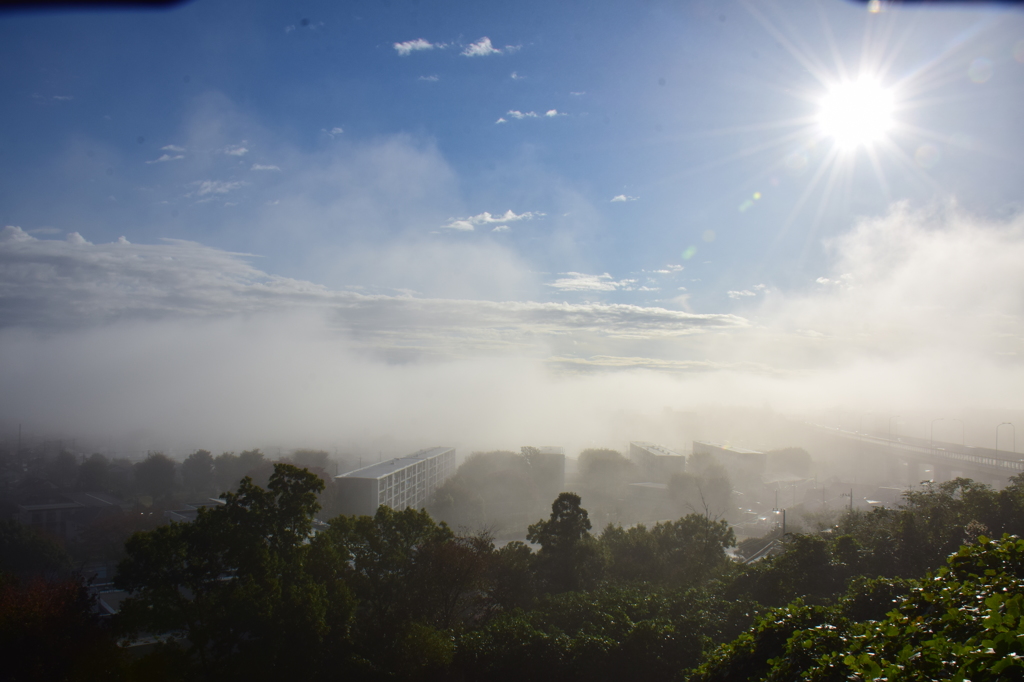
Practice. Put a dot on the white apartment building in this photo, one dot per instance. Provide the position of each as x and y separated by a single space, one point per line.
398 483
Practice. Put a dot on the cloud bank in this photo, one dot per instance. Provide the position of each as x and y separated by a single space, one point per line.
196 344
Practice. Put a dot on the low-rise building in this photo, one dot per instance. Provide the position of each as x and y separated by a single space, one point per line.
656 462
745 467
398 483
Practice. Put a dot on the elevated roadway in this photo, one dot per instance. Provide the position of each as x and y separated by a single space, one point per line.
945 459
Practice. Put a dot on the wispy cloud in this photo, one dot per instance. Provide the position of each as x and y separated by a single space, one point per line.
520 115
623 197
180 279
740 294
172 148
236 150
480 48
501 228
578 281
167 157
208 187
264 167
409 46
516 77
63 98
578 94
670 269
485 218
333 132
433 78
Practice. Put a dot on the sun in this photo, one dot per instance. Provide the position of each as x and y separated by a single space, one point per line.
856 113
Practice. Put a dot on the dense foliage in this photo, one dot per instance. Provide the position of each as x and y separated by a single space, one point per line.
248 591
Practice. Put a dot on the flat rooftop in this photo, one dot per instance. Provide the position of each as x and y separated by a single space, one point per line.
382 469
730 448
656 449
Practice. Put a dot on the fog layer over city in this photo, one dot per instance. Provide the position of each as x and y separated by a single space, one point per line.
179 345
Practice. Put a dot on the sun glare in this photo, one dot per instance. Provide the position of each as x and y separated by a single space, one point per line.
856 113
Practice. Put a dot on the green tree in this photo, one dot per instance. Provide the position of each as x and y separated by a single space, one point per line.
310 459
569 557
197 472
239 582
706 490
684 552
511 577
94 473
489 490
377 558
230 468
63 470
26 553
155 475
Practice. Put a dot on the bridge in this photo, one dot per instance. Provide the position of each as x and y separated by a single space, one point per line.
946 460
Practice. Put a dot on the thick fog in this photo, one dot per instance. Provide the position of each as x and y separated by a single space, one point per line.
178 345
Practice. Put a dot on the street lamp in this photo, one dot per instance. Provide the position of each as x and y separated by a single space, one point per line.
1014 432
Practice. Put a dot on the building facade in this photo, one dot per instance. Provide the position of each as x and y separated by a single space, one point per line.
398 483
656 462
744 466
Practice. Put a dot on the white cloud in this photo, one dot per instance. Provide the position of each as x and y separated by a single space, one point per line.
208 187
577 94
410 46
623 197
551 113
485 218
264 167
63 98
12 234
167 157
740 294
501 120
516 77
480 48
501 228
236 150
519 115
430 79
332 132
578 281
172 148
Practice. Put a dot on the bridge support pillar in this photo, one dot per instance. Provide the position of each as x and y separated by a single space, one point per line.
913 472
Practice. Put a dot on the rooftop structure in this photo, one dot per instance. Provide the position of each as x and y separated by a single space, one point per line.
656 462
398 483
746 466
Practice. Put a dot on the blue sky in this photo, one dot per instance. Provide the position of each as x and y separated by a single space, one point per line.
664 157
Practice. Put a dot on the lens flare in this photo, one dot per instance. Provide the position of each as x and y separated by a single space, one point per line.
856 113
